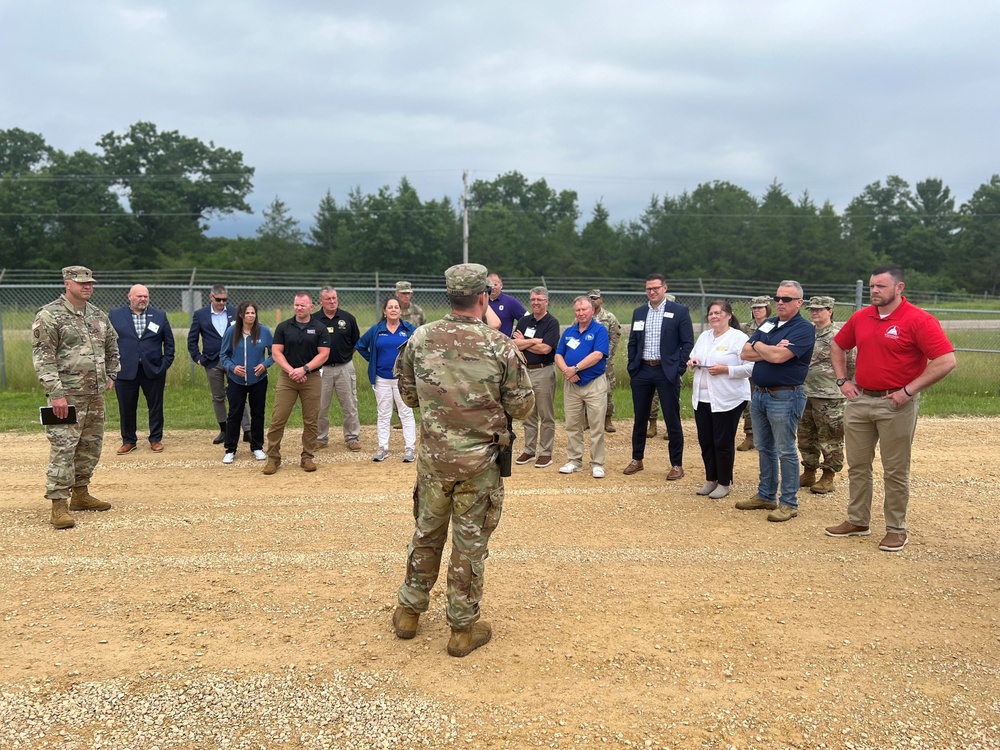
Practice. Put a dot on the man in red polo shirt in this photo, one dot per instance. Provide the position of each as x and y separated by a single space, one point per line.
902 351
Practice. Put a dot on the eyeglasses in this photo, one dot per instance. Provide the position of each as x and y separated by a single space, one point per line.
654 288
221 299
786 300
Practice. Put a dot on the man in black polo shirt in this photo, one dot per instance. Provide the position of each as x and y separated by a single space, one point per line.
781 349
537 337
301 346
338 373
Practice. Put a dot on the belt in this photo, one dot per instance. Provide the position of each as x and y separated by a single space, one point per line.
539 367
880 394
653 362
338 364
771 388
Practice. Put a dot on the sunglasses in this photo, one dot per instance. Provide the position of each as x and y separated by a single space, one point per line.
221 299
786 300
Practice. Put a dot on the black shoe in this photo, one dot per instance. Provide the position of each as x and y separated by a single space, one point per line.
246 436
219 439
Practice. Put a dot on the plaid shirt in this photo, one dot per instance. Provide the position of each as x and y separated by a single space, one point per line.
654 322
139 321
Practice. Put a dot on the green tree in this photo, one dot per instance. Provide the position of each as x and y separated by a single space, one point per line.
977 260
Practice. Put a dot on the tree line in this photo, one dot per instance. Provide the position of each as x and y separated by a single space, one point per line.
144 199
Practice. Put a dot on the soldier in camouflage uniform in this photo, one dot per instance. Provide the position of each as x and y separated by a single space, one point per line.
466 378
607 319
821 429
75 354
760 310
411 311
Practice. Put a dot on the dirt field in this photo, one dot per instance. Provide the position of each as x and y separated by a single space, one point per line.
215 607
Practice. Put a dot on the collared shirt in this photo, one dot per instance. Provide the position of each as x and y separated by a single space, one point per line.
575 345
220 320
546 329
344 335
654 322
139 320
301 341
802 338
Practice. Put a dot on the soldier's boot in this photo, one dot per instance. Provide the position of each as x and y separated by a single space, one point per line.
747 444
464 642
651 430
808 478
404 622
825 484
221 437
83 500
608 424
61 518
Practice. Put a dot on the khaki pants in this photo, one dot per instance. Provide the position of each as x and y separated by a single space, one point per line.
286 394
540 427
592 398
343 380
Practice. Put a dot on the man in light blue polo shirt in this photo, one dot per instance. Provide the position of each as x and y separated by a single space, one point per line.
582 357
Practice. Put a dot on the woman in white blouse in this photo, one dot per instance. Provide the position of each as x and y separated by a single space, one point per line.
721 390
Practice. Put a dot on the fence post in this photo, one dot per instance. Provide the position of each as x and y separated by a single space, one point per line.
858 291
191 302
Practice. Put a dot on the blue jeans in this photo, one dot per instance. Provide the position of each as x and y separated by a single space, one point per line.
775 422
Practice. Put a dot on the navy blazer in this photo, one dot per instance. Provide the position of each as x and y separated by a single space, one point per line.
155 350
211 340
676 340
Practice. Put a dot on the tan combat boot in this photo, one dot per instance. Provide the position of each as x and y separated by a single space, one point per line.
747 444
464 642
61 518
608 424
825 484
808 478
81 499
404 622
651 430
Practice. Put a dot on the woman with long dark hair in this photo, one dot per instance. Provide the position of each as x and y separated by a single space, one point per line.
246 355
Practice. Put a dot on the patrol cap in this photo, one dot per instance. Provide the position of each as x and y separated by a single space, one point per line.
594 294
819 303
466 279
764 301
79 274
404 286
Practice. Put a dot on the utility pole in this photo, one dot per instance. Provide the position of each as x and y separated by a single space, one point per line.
465 216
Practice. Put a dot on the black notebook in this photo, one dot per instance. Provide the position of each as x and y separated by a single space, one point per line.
46 416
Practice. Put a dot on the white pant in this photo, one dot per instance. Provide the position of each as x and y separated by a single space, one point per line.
387 391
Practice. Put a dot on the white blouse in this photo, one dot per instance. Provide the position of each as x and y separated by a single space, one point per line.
722 392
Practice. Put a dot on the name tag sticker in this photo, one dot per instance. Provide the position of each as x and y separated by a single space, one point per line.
153 327
722 348
311 331
767 327
573 343
529 333
668 315
639 325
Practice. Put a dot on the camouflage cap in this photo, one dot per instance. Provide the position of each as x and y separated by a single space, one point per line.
818 303
79 274
764 301
594 294
466 279
404 286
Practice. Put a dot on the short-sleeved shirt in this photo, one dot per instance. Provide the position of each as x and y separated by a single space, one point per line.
509 310
801 335
344 334
387 345
301 341
575 345
893 350
546 329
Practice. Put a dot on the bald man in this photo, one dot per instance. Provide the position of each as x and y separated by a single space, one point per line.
146 347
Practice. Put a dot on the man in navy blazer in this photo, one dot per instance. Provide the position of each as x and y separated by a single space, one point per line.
659 343
146 346
209 323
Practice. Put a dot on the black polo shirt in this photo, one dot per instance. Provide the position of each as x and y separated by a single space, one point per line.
344 334
301 340
546 329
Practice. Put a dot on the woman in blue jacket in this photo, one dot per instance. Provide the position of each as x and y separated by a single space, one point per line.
246 355
380 347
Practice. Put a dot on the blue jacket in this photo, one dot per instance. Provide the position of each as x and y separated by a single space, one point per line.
154 351
676 340
211 341
366 345
248 356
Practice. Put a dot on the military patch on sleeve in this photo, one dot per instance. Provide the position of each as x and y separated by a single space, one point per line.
35 331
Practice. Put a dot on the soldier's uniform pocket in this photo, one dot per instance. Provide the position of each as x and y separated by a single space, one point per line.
494 510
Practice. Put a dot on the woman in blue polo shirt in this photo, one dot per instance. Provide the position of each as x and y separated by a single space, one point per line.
380 347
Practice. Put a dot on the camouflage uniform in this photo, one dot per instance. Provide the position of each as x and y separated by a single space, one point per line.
74 353
464 376
821 429
607 318
413 313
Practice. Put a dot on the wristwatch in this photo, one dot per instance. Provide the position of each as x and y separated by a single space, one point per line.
305 369
841 381
576 369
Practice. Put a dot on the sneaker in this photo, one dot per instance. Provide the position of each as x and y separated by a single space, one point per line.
597 472
543 462
893 542
706 488
755 503
260 455
570 468
719 492
408 456
847 529
381 454
782 513
525 458
354 445
229 458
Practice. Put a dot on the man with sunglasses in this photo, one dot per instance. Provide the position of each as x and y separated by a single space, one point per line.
781 349
208 324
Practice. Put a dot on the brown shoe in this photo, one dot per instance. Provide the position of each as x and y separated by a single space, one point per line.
81 499
543 462
354 445
676 472
893 542
307 464
746 445
126 448
847 529
156 447
464 642
525 458
633 468
61 518
270 467
404 622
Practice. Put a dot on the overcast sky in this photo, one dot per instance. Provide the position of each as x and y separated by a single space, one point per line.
616 100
